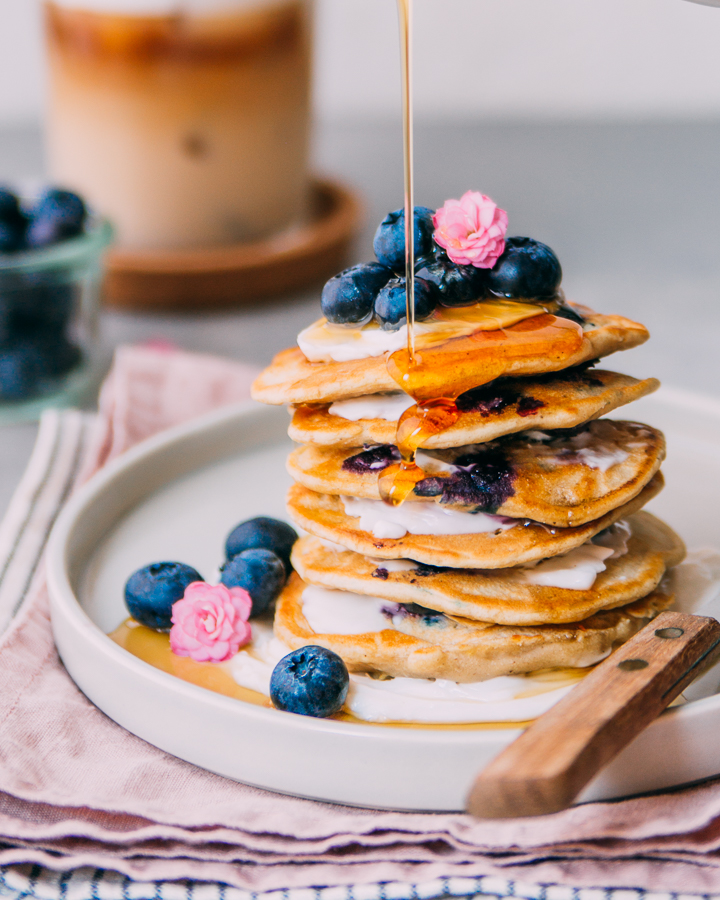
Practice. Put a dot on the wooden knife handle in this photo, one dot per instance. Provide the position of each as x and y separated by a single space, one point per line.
545 769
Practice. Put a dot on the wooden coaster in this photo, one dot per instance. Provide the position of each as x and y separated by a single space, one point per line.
240 273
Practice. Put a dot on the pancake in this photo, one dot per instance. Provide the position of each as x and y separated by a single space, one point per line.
560 478
498 595
291 378
559 400
420 643
324 516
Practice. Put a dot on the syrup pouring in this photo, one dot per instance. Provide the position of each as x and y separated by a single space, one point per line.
436 376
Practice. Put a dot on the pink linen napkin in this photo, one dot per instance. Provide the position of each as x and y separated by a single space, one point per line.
77 790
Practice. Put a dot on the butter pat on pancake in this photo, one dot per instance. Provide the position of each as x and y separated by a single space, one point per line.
499 595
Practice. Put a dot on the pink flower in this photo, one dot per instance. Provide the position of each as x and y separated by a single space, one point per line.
471 229
210 622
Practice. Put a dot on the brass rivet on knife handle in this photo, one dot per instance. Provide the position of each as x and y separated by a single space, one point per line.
547 767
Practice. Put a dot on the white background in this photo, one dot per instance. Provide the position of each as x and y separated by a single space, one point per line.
499 58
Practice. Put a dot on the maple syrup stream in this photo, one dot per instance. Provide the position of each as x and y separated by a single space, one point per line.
397 481
436 376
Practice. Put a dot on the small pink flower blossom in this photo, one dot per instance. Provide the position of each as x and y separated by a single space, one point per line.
471 229
210 622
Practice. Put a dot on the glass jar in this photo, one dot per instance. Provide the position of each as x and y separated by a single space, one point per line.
48 313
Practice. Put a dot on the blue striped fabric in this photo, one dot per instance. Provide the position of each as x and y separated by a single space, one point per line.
18 882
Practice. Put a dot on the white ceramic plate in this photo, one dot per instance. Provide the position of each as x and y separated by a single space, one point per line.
177 496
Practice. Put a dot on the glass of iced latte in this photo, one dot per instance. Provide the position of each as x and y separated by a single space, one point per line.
184 121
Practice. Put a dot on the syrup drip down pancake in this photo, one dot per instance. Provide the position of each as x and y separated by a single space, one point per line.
522 349
506 542
559 400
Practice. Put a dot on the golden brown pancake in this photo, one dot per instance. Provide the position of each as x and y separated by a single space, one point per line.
561 481
497 595
291 378
323 515
560 400
423 644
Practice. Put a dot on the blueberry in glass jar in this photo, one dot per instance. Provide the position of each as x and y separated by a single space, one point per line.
390 303
21 370
311 681
59 355
56 216
259 572
527 269
262 533
6 331
12 223
39 303
347 298
151 591
457 285
389 242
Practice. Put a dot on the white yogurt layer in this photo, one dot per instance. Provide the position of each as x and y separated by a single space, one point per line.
325 342
165 7
420 517
504 699
342 612
576 570
393 565
596 447
375 406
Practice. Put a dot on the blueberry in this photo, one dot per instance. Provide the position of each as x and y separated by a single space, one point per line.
311 681
38 304
390 304
457 285
56 216
264 533
389 242
260 572
58 354
12 222
347 298
527 268
151 591
6 330
28 366
21 371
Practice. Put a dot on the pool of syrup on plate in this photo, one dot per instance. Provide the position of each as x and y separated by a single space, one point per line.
153 647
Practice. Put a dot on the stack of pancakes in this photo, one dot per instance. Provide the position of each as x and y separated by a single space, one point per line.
547 560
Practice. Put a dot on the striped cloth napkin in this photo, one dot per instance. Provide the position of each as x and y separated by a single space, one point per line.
88 810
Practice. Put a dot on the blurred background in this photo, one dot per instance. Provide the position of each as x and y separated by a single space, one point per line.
595 124
502 59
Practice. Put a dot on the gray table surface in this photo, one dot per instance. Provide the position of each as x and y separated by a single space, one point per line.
632 209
